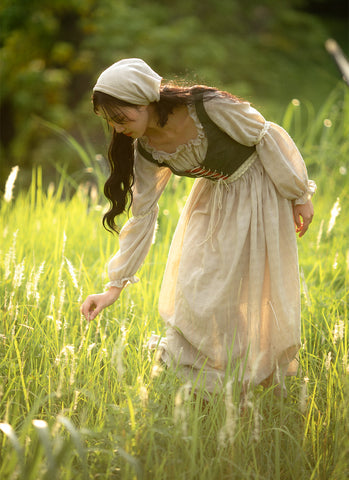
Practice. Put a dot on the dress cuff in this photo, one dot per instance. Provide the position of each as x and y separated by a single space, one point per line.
308 194
122 282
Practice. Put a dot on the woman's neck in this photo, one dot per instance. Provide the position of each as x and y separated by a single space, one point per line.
179 129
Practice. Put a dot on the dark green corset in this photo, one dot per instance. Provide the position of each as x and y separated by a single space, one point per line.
224 154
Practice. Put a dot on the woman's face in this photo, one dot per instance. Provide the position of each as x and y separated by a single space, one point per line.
131 121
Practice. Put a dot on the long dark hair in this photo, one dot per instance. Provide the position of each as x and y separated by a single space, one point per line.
118 187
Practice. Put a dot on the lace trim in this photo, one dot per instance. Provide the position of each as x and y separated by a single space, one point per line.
161 156
308 194
263 132
121 283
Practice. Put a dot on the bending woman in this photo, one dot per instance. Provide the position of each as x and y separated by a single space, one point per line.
230 294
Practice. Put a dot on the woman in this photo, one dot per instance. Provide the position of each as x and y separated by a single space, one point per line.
230 293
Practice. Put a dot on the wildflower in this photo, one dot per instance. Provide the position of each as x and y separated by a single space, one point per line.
123 334
335 262
36 280
50 189
76 398
10 257
334 214
143 392
65 352
29 286
40 424
72 372
180 410
83 338
10 184
6 428
52 301
338 331
90 347
67 349
32 284
59 281
18 276
157 368
227 432
256 419
61 302
328 361
303 395
72 273
94 194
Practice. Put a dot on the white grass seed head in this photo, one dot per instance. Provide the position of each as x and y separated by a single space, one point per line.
10 183
334 214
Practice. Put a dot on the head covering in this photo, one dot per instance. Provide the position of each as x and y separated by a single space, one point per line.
131 80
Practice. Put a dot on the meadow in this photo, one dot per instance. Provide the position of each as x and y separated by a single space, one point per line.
89 401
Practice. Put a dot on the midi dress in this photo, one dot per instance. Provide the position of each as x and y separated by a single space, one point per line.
230 295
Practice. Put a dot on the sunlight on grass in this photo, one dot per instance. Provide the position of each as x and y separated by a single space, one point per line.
81 400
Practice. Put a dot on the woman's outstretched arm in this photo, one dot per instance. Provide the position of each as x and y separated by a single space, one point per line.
94 304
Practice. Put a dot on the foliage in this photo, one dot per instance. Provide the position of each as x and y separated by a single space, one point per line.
51 53
81 400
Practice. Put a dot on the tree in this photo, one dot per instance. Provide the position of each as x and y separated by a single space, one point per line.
52 52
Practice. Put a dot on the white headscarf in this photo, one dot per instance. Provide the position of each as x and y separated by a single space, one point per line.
131 80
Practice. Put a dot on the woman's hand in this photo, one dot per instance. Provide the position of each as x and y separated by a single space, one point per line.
94 304
303 215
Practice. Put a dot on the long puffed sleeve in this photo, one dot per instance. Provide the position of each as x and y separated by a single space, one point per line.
284 165
137 234
276 150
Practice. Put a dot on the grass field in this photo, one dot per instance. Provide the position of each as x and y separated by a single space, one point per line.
88 401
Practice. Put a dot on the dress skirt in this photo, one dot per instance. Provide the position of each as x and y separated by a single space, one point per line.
230 292
230 295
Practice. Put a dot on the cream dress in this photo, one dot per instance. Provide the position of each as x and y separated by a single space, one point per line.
230 293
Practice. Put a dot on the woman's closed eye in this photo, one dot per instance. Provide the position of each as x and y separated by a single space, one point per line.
120 120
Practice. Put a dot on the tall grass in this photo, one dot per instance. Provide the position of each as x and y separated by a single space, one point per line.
88 401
